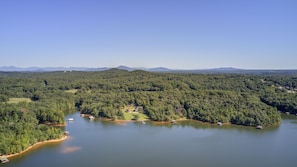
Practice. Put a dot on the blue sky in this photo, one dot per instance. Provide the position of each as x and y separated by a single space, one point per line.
180 34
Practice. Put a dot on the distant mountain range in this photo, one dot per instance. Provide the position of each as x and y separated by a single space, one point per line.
49 69
157 69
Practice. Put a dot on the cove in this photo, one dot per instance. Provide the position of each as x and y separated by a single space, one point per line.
189 143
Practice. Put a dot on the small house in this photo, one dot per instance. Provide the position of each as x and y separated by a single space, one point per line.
138 109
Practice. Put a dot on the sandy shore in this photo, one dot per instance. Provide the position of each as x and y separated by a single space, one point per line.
34 145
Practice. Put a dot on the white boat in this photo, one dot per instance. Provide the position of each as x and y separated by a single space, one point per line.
4 160
220 123
66 133
259 127
91 117
143 122
70 119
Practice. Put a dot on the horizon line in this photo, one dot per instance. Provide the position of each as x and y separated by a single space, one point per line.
143 68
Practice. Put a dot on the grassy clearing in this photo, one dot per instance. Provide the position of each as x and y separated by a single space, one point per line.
71 91
18 100
133 115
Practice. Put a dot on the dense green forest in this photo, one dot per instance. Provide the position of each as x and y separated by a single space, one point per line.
242 99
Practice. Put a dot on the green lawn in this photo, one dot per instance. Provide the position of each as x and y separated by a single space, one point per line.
18 100
133 115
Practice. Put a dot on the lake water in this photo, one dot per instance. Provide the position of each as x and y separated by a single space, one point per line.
108 144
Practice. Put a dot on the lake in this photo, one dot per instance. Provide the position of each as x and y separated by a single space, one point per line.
190 143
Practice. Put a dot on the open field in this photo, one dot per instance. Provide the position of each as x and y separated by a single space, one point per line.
133 115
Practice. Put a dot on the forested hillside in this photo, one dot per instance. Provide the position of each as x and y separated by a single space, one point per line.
24 123
236 98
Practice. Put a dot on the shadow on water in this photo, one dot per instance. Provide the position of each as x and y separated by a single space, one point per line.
185 123
202 125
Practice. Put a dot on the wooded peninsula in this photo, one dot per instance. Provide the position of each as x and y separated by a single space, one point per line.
31 103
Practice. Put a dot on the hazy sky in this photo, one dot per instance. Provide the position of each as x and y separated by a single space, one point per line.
182 34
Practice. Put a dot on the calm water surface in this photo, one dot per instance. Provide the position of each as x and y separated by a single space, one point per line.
107 144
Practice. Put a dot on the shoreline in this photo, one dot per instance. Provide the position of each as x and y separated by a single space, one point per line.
181 120
170 122
34 145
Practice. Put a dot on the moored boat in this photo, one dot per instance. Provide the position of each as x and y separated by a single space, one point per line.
66 133
259 127
4 160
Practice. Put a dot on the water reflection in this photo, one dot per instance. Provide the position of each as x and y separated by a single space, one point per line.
70 149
